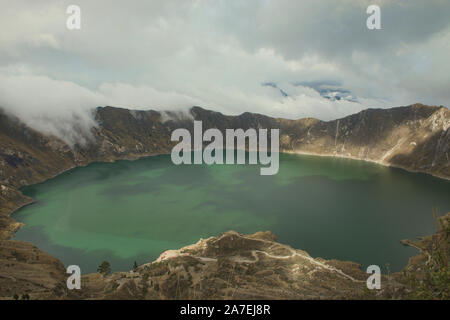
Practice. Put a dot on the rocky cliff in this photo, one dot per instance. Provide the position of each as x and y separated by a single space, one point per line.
415 137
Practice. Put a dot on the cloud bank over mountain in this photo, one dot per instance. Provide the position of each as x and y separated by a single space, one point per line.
170 55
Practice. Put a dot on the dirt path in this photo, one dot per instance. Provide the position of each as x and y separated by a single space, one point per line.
294 253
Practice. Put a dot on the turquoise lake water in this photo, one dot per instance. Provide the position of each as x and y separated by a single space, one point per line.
134 210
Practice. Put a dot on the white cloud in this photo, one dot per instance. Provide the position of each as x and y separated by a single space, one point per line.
171 55
61 108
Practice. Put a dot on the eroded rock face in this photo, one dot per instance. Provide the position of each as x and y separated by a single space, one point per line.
416 137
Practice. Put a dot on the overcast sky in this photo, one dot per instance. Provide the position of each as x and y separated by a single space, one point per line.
174 54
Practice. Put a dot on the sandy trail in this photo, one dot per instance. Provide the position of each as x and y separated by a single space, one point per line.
294 253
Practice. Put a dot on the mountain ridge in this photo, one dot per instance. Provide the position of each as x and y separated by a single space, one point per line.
416 138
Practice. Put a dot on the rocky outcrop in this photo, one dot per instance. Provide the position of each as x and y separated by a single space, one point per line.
232 266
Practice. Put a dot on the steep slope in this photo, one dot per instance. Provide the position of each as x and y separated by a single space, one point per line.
416 137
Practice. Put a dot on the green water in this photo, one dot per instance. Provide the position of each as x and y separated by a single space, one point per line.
135 210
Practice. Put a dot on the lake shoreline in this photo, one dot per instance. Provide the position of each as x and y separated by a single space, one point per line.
135 158
381 163
344 170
